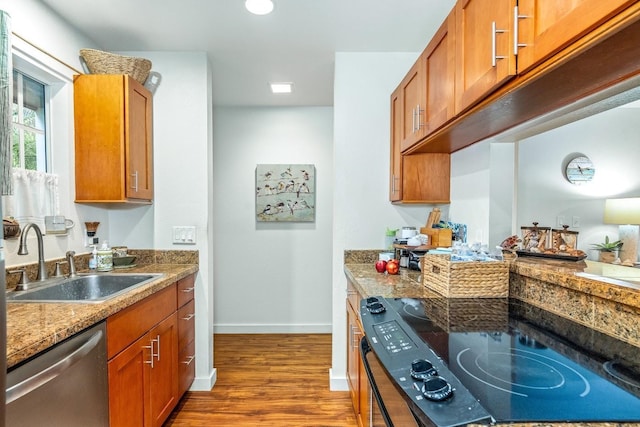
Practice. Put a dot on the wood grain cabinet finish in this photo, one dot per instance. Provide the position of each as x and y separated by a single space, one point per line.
484 55
359 388
113 139
395 173
186 333
143 345
544 27
516 61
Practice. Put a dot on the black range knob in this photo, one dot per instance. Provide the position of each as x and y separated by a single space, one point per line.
422 369
436 388
376 308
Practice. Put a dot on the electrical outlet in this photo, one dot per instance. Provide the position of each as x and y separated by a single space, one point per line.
575 222
184 234
560 221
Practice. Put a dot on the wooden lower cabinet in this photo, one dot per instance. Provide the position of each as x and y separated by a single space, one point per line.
357 380
143 378
147 345
186 334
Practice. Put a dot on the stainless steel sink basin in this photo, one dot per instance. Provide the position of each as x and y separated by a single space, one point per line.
84 288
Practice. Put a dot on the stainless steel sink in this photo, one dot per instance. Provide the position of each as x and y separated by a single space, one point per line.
91 288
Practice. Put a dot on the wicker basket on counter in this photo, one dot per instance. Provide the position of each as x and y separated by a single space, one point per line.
100 62
465 279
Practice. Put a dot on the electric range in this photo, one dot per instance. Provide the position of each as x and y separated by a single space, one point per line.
484 360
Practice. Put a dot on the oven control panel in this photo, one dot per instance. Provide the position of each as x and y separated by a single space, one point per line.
427 383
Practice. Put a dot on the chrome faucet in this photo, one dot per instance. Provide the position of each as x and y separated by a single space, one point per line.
71 262
22 250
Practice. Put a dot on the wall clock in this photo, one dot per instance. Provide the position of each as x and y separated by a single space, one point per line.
580 170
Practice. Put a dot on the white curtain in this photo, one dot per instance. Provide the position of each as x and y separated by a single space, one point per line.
35 196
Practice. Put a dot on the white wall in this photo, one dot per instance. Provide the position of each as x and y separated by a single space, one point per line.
271 277
610 140
361 207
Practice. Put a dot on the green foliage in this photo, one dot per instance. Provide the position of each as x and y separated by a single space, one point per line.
607 246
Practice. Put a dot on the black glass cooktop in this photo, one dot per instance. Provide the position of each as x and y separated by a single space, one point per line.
525 364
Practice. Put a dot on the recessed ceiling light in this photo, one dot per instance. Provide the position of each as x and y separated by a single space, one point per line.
259 7
283 87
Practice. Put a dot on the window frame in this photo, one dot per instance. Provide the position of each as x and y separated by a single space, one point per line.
46 129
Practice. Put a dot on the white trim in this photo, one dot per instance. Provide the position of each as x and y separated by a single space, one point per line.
205 383
337 383
275 328
38 64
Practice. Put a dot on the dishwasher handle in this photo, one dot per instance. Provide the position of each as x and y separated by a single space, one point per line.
41 378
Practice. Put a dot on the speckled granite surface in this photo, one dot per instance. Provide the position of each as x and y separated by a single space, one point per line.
34 327
601 296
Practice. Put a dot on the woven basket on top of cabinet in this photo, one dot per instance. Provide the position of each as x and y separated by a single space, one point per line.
465 279
100 62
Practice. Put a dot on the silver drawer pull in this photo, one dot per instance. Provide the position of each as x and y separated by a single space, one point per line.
189 316
190 359
188 290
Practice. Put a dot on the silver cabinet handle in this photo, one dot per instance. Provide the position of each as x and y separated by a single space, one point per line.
188 290
419 123
158 352
494 32
135 181
517 16
150 347
53 371
190 359
189 316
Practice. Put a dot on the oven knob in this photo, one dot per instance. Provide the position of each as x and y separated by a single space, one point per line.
436 389
376 308
422 369
372 300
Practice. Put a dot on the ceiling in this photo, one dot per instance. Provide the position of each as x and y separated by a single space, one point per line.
296 43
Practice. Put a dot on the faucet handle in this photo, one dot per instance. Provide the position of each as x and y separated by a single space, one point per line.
58 271
23 282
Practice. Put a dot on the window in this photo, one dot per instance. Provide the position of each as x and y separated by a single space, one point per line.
29 129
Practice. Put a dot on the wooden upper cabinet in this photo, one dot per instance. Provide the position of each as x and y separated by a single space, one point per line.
426 178
544 27
438 64
412 101
113 139
484 48
395 174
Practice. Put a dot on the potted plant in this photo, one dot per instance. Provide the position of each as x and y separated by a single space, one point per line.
608 250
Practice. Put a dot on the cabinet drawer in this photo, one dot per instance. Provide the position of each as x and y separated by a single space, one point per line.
353 297
186 323
128 325
186 367
186 289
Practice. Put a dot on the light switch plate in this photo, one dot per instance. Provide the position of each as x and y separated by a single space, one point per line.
184 234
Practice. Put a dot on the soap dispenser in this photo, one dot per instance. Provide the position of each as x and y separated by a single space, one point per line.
104 258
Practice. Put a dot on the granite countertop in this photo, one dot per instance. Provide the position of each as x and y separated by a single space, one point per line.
34 327
589 277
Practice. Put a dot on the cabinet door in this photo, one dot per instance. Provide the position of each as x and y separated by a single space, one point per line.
353 358
426 178
413 106
129 385
139 137
544 27
186 346
163 376
484 48
395 174
439 75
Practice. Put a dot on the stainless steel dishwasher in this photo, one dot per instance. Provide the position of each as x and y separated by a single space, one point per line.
66 386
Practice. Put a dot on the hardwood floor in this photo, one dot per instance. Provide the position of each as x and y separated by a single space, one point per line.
268 380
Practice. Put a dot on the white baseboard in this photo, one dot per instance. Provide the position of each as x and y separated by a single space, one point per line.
337 383
205 383
271 329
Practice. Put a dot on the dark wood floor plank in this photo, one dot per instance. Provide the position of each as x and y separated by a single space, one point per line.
279 380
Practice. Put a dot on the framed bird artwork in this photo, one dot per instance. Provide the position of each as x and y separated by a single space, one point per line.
285 193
